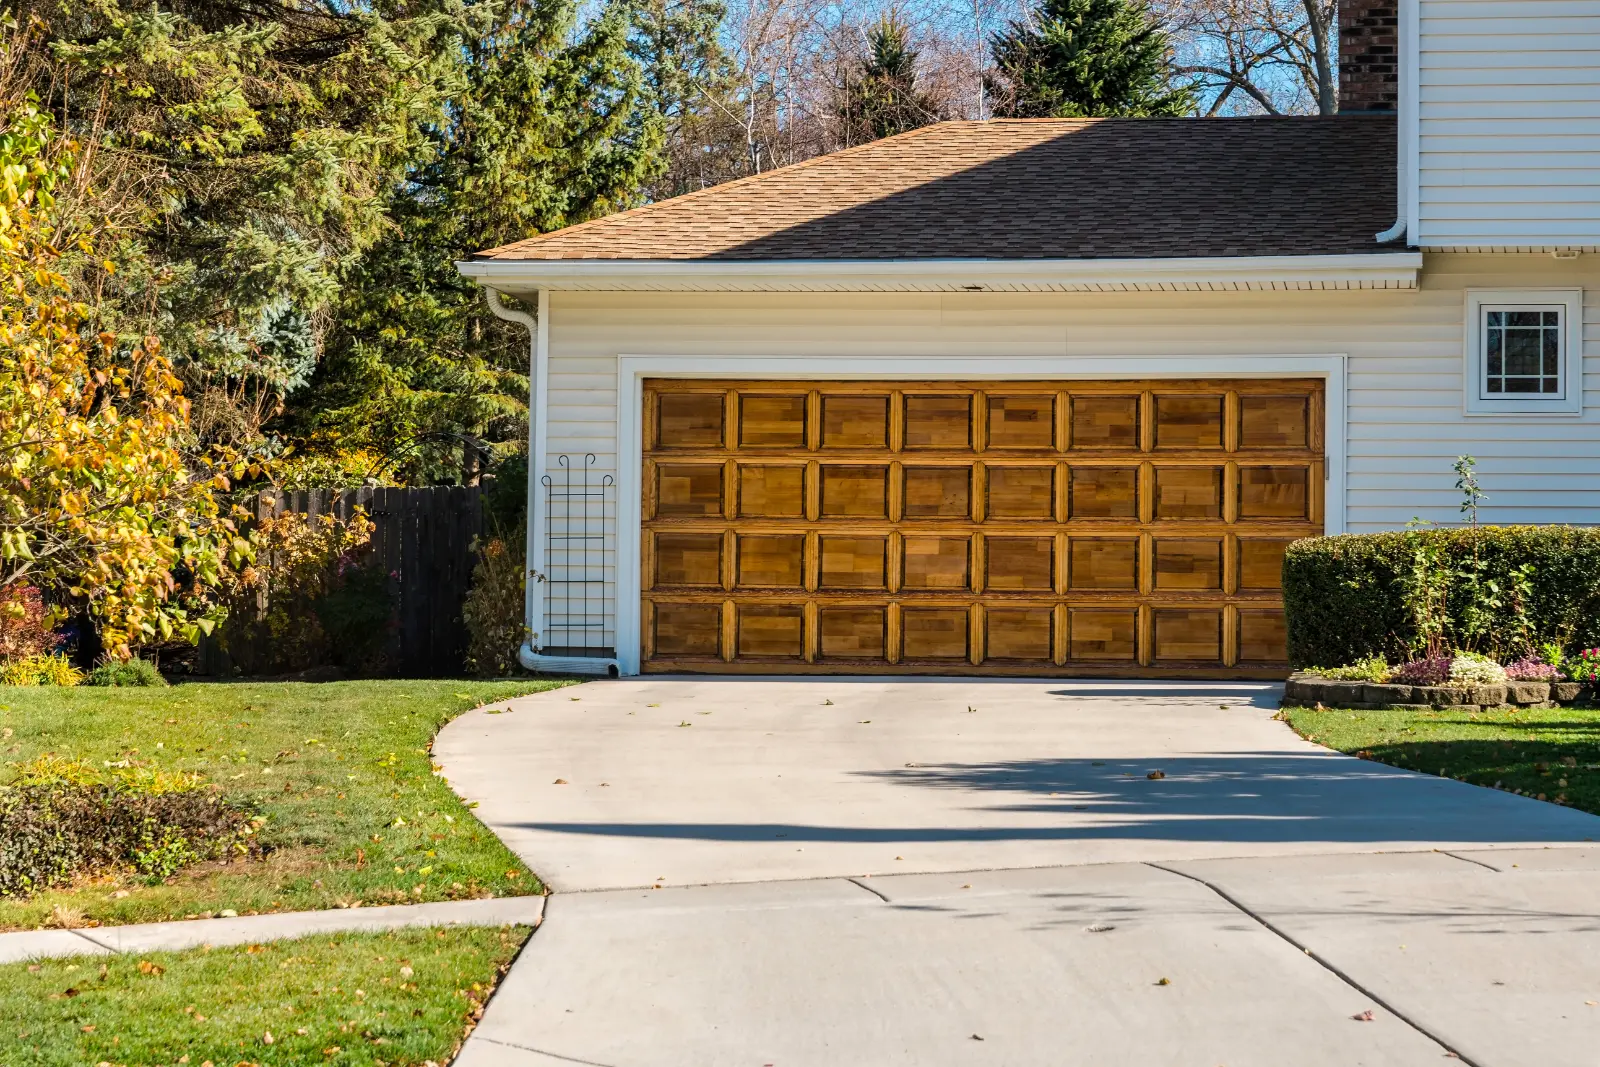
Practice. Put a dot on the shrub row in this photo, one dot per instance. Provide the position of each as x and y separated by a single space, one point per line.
1504 590
50 834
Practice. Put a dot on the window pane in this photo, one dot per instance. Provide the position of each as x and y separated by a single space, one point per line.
1552 318
1522 385
1522 352
1552 352
1552 385
1524 318
1497 319
1494 385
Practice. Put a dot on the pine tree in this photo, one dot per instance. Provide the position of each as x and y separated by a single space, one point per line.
1087 58
882 98
549 127
688 82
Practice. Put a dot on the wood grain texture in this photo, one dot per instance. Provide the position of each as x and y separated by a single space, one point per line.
1020 527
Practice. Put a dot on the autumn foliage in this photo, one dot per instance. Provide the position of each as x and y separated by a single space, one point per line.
103 503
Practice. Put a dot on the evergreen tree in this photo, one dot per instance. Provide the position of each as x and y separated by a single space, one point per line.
1087 58
549 127
688 83
881 98
238 149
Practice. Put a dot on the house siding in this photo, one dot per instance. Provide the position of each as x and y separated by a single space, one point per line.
1508 124
1405 420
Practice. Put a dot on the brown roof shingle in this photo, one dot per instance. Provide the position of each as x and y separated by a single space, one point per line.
1031 189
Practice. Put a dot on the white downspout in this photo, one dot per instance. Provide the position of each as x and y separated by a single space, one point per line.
538 327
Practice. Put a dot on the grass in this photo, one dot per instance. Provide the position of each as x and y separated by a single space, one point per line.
349 1000
341 770
1549 754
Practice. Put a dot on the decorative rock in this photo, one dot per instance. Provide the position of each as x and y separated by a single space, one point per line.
1385 695
1439 696
1565 692
1487 695
1528 692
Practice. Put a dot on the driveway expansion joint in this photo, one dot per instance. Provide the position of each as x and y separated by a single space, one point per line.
1325 963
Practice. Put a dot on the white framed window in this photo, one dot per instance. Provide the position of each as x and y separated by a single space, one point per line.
1524 353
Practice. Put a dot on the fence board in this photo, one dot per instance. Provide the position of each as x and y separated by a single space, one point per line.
424 539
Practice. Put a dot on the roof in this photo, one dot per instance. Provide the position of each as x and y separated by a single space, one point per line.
1030 189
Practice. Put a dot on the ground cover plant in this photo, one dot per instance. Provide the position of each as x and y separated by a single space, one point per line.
340 772
1550 754
352 1000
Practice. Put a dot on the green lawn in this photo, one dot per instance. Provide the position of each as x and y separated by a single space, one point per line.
1552 754
402 998
340 769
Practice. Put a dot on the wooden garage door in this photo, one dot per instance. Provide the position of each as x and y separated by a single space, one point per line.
1122 528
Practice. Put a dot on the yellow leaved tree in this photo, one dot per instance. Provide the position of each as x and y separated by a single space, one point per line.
102 502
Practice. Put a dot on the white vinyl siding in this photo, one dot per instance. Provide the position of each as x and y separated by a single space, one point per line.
1406 417
1508 124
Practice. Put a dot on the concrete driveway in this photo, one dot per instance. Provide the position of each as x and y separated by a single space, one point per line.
809 872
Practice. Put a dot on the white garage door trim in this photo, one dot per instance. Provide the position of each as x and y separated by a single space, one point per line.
632 370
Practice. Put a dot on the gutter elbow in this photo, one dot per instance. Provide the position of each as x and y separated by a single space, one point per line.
1393 233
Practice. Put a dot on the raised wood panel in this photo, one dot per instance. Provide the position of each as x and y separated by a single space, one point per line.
934 563
1020 564
772 422
1022 492
1015 527
855 422
854 562
1188 565
937 492
1019 633
853 632
1102 635
688 559
1105 422
1104 493
689 420
1261 564
688 490
771 630
1274 422
934 633
855 492
1274 493
1191 635
771 561
1263 637
1103 564
688 629
770 492
938 422
1027 421
1188 493
1189 421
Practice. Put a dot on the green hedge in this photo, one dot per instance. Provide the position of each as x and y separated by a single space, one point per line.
1354 596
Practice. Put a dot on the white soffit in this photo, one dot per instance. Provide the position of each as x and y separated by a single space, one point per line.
1389 270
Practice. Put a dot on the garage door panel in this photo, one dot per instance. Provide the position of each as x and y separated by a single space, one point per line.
772 492
1019 527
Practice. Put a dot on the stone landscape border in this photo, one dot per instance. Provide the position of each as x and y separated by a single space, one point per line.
1309 690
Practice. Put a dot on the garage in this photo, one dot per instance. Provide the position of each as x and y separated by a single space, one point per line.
1131 528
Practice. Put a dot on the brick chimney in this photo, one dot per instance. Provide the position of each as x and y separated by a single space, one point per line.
1369 55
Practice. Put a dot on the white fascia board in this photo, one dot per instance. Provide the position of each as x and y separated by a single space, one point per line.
1379 270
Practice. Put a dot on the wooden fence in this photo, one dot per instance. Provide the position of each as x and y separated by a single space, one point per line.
423 539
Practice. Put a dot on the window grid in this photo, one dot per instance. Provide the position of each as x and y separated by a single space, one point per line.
1522 351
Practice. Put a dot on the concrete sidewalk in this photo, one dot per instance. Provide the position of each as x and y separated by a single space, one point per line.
1244 963
248 929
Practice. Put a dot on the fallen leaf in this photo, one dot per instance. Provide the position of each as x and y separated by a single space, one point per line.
1164 981
1156 775
561 781
686 722
1364 1017
88 1028
266 1038
146 967
863 722
825 703
975 1037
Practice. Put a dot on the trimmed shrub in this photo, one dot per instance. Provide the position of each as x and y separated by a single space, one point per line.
52 831
132 672
1503 590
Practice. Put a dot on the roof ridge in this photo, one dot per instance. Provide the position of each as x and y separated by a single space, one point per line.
748 179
